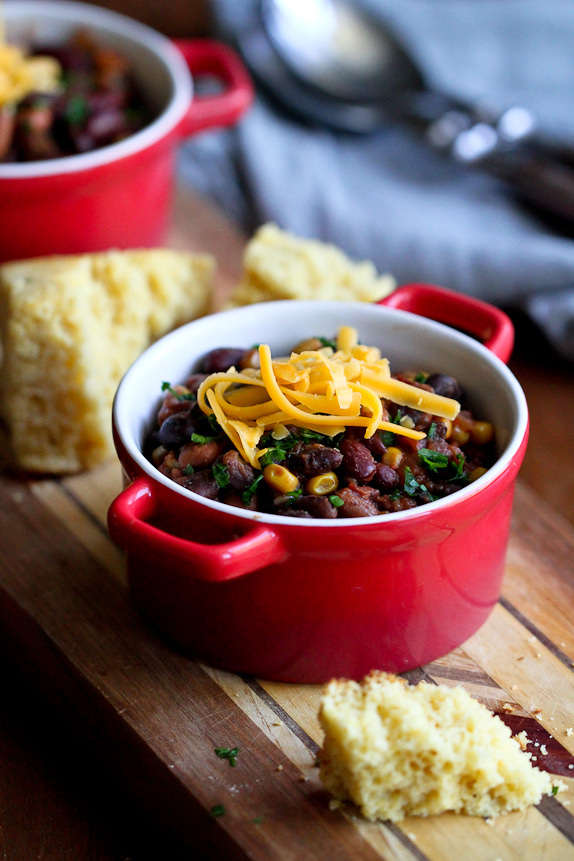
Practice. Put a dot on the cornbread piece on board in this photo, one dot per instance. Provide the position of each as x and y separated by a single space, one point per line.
278 265
397 750
70 327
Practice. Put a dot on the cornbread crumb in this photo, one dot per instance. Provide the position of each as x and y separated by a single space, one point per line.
397 750
522 739
70 327
278 265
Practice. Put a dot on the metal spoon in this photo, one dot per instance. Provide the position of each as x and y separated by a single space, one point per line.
329 63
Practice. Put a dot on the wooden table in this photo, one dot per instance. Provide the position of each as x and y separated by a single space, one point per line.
107 735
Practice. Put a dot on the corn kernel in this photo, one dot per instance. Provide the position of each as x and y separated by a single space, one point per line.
320 485
407 422
459 436
280 478
482 433
393 456
476 473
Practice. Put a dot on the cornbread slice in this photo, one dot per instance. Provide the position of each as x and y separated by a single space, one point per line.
278 265
397 750
70 327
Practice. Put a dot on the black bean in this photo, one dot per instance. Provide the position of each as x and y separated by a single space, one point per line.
221 359
176 430
444 385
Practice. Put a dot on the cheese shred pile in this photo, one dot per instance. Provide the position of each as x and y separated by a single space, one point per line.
325 390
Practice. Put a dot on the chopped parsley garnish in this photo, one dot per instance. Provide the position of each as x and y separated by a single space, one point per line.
249 492
432 430
336 501
412 486
188 469
273 455
458 463
180 396
434 460
388 438
228 753
555 789
221 474
201 439
328 343
76 110
397 418
421 378
218 810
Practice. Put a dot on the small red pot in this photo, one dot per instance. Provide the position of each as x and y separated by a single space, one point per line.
117 196
306 600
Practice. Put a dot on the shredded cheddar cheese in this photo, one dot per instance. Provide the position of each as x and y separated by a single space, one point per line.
323 390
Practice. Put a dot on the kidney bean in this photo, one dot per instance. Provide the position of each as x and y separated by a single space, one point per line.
221 359
314 459
194 381
442 384
173 404
358 462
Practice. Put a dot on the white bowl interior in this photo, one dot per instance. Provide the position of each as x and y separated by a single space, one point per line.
408 341
158 69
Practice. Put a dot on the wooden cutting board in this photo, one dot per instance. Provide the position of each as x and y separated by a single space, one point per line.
156 717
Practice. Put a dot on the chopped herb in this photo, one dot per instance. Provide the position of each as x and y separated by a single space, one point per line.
221 474
336 501
294 494
76 110
218 810
434 460
248 494
273 455
180 396
397 419
328 343
555 789
214 425
421 378
432 431
229 753
201 439
258 820
388 438
188 469
411 484
458 463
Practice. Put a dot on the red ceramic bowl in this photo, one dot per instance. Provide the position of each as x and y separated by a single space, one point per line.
305 600
117 196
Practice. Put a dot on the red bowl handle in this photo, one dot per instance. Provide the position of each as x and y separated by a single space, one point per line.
208 57
473 316
128 525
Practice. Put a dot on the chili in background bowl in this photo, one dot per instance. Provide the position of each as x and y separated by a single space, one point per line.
117 196
305 600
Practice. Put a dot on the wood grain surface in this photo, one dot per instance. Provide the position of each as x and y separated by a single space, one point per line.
146 720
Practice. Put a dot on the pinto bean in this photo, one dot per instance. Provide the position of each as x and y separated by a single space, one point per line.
386 478
356 504
200 455
314 459
358 462
241 474
202 483
317 506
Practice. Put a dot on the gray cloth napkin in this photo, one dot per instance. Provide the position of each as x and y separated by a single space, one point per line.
387 196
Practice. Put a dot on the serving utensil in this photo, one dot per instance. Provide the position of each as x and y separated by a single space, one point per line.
330 63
